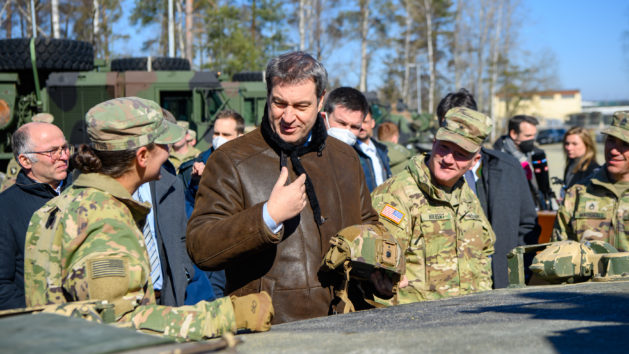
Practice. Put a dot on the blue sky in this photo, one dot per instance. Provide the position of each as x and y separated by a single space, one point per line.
586 37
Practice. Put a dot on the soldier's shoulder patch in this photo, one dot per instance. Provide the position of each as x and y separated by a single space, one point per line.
106 267
392 214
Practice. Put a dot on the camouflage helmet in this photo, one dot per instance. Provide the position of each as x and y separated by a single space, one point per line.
366 247
563 260
356 252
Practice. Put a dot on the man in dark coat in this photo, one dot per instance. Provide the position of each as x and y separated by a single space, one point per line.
504 195
42 151
502 189
170 233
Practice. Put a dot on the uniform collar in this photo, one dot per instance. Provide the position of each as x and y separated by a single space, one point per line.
109 185
418 167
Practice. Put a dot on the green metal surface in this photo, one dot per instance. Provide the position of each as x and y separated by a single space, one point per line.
48 333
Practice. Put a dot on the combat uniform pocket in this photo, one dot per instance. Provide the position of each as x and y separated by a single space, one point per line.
622 242
474 230
415 257
438 229
592 224
475 264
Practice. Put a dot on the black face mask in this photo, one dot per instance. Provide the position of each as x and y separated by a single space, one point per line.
527 146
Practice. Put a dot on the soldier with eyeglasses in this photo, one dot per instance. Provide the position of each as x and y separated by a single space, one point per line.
42 153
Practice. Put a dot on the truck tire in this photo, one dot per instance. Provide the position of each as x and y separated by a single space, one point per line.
157 64
248 76
52 54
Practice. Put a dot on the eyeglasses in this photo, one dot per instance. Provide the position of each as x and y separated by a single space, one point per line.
55 153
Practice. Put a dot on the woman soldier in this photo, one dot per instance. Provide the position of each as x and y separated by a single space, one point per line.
87 244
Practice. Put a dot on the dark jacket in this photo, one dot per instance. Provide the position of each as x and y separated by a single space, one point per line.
17 205
170 230
504 195
541 198
365 163
191 185
227 228
570 179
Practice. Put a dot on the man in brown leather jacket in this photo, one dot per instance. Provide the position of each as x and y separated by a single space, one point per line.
269 202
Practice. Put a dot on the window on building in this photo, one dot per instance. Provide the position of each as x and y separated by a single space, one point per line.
567 96
546 97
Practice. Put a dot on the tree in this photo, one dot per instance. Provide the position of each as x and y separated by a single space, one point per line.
152 13
431 58
189 34
370 20
231 47
54 10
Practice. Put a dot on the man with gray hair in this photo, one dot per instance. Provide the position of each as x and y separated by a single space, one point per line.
43 152
270 201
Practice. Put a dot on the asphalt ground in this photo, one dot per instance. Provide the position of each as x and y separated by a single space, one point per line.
578 318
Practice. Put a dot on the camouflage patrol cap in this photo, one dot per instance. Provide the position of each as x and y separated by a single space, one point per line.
129 122
169 116
366 247
619 127
465 127
184 124
43 118
192 135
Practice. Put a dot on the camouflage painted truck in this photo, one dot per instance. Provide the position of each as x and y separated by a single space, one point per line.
61 77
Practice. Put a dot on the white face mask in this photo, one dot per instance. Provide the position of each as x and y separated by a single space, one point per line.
218 141
343 135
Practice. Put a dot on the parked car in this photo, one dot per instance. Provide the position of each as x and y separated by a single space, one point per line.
550 136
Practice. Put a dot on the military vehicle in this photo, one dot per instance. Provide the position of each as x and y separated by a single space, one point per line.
417 130
61 77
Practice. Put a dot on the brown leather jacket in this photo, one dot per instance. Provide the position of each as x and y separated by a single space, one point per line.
226 229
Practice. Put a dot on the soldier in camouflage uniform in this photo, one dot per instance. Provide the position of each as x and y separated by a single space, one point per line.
599 209
437 219
183 150
86 244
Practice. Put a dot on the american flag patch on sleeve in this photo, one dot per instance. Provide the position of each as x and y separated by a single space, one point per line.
392 214
102 268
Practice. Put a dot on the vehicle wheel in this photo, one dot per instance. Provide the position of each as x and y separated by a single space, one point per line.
157 64
52 54
248 76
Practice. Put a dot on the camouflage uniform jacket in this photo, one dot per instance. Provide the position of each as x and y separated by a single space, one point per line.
177 159
593 211
447 243
398 157
86 244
